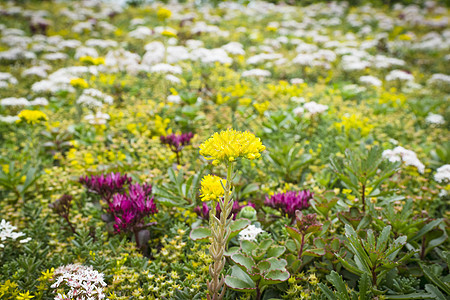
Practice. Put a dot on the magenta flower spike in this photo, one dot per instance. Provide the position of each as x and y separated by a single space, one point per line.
290 201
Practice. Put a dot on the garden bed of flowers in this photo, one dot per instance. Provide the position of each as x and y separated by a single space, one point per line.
224 151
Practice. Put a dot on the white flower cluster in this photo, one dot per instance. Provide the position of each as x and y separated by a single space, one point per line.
439 79
315 108
98 118
407 156
6 79
7 231
250 233
399 75
443 174
256 73
94 98
370 80
435 119
83 282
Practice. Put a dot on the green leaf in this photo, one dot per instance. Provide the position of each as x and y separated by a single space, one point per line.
363 287
275 251
200 234
275 276
328 293
335 279
277 264
295 235
425 229
434 279
243 261
316 252
248 246
383 239
239 280
435 292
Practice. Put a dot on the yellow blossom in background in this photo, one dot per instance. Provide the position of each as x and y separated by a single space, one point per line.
355 122
211 187
168 33
32 116
245 101
261 107
230 144
163 13
79 83
93 60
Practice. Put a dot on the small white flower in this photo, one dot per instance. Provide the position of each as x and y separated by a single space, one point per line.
443 174
250 233
408 157
435 119
315 108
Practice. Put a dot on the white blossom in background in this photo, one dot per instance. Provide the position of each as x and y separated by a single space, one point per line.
173 78
98 118
13 101
7 232
256 73
370 80
39 101
399 75
6 79
174 99
435 119
442 174
55 56
250 233
9 119
439 79
297 81
85 51
234 48
80 282
315 108
94 98
408 157
166 68
298 111
40 71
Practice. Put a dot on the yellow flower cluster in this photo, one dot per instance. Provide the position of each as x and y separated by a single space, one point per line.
79 83
262 107
211 187
93 60
230 144
163 13
168 33
32 116
355 122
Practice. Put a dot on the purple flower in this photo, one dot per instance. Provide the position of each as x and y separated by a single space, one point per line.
105 186
290 201
203 211
129 209
176 142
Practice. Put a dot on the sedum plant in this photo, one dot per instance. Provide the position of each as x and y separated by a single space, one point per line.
257 266
363 173
373 256
223 148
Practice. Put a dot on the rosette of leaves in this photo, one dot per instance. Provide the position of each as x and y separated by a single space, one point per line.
424 234
363 172
373 256
257 266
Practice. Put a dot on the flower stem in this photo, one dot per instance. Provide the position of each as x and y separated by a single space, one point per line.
220 231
